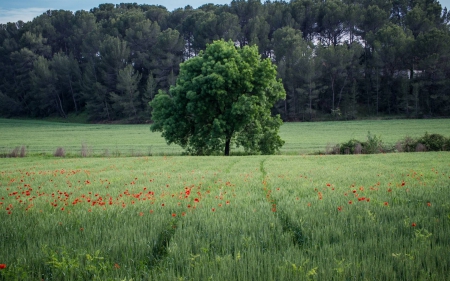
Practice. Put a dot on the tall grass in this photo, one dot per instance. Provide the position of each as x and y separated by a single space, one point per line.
360 217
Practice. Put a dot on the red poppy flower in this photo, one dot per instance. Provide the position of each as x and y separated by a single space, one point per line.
429 204
213 209
339 208
174 215
386 203
350 202
413 224
2 266
196 200
116 266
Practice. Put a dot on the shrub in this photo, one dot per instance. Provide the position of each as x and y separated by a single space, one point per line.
349 147
373 144
428 142
408 144
85 150
420 147
433 142
18 152
358 149
14 152
332 149
60 152
399 147
23 151
446 145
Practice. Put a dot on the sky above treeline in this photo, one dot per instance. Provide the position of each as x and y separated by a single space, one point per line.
26 10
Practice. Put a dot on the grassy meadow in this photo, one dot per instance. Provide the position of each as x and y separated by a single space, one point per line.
41 137
284 217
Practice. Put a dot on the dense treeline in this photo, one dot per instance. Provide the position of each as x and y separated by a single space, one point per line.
340 58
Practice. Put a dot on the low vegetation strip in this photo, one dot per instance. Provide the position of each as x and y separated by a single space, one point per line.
383 217
41 138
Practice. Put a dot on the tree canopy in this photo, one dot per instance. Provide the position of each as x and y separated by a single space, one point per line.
338 59
222 96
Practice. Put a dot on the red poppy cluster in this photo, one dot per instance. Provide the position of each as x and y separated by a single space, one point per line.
24 193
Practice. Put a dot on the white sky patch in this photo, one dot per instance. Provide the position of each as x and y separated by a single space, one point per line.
25 14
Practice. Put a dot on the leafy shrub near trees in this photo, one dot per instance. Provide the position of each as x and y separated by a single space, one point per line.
435 142
428 142
374 144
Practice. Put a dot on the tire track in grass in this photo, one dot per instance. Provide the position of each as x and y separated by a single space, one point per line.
288 225
230 165
160 249
161 244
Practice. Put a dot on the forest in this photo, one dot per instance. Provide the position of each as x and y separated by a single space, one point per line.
338 59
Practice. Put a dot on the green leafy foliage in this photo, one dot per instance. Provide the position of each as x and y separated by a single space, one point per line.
365 58
373 144
427 142
224 94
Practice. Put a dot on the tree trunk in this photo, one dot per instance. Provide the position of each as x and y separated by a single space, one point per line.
227 147
332 90
60 107
73 94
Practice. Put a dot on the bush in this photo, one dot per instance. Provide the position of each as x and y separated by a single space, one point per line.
332 149
428 142
86 151
349 147
408 144
60 152
18 152
433 142
373 144
420 147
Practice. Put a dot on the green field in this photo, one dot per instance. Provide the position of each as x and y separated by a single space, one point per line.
282 217
126 140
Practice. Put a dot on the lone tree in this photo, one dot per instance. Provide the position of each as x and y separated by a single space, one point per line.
223 95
